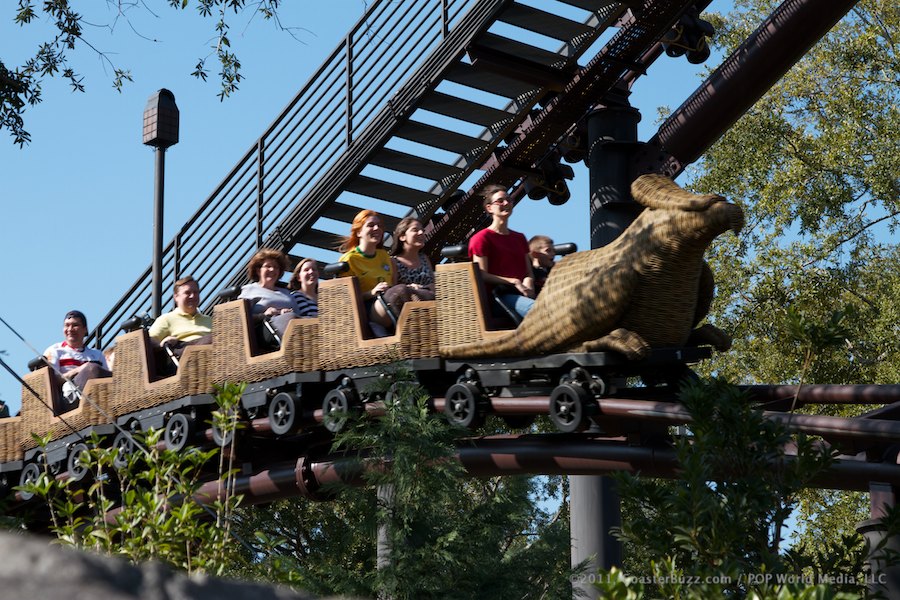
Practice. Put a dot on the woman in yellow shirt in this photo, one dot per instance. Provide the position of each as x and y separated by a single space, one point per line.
370 263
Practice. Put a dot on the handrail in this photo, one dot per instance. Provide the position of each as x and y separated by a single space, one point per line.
370 84
246 206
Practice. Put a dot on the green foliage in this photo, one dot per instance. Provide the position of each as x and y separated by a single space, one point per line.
813 338
143 511
716 531
828 518
20 86
323 548
821 144
816 168
815 165
668 581
726 512
449 535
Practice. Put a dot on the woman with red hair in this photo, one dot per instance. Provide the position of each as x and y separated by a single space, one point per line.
370 263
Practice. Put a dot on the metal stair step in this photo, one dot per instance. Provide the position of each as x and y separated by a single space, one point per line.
464 110
524 52
320 239
487 81
592 5
389 192
503 64
542 22
413 165
438 138
345 213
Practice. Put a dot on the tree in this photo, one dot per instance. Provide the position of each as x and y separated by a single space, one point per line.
717 531
816 166
450 535
20 85
318 547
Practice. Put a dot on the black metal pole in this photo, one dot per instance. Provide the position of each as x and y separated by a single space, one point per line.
158 198
612 140
160 130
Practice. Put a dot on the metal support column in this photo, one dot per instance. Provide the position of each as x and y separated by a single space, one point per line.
883 579
612 139
594 504
385 495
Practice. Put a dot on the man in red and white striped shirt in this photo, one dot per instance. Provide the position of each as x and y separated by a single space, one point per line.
71 359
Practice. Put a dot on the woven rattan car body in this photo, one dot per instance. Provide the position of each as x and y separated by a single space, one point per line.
607 315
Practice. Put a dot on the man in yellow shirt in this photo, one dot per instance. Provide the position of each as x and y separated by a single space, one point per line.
185 325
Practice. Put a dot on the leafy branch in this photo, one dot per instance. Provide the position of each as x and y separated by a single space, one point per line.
21 85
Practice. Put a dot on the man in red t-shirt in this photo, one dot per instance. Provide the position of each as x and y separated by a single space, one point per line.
502 254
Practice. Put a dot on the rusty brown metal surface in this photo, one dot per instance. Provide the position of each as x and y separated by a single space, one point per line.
598 454
825 394
532 405
831 428
615 62
528 455
744 77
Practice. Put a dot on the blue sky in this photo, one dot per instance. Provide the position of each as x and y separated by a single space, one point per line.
78 200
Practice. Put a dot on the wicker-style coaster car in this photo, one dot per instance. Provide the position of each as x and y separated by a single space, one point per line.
604 316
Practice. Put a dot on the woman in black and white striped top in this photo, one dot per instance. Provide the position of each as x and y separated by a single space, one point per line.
304 286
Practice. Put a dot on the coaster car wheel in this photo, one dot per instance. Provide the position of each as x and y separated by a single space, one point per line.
178 432
283 411
30 474
222 438
225 438
461 405
402 391
54 468
567 407
336 408
124 443
75 466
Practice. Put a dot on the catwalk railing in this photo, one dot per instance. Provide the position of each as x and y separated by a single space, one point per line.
315 128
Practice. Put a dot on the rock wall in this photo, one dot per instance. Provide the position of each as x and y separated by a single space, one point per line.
34 568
